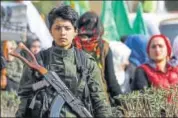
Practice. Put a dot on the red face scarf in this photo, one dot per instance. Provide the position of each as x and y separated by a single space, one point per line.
91 46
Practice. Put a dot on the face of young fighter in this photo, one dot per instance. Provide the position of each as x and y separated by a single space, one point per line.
63 32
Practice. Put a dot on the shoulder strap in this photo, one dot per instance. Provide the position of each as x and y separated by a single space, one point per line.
82 67
43 58
80 58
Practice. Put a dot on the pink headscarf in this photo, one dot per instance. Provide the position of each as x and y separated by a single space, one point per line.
166 40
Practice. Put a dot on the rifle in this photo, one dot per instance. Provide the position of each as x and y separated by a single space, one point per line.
51 78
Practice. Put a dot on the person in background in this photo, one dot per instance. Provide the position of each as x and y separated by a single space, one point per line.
123 38
157 71
89 39
121 55
33 43
137 44
14 66
175 47
174 59
3 73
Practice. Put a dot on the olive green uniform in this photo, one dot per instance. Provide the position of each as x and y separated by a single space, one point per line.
63 62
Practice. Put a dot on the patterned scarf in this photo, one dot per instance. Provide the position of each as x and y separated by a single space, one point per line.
91 46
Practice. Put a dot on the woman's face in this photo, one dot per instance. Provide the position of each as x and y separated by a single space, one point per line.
35 47
158 49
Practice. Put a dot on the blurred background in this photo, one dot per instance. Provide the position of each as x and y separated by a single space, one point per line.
126 17
120 18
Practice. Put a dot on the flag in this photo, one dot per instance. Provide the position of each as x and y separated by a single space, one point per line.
139 26
120 12
110 30
66 2
79 6
84 6
149 6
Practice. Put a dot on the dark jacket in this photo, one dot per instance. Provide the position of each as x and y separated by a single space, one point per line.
63 62
141 80
113 86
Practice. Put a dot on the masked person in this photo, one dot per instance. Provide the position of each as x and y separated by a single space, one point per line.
157 71
63 58
89 39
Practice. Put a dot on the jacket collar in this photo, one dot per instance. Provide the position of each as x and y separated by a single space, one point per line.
152 64
61 52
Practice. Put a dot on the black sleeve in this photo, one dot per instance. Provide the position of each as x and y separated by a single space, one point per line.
140 80
110 77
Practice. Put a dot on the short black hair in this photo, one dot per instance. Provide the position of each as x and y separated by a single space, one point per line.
65 12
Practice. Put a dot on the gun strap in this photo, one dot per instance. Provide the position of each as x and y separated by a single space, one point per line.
81 64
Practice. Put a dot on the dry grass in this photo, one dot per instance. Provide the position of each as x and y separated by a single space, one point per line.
150 103
9 104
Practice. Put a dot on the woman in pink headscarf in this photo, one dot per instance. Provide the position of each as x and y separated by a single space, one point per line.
157 71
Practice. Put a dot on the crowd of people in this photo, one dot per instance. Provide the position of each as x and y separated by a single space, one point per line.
94 70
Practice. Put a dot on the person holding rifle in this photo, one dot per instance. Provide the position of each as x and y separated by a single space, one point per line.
77 69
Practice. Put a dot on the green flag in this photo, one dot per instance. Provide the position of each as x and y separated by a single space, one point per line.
79 6
149 6
66 2
139 26
120 12
110 30
84 6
